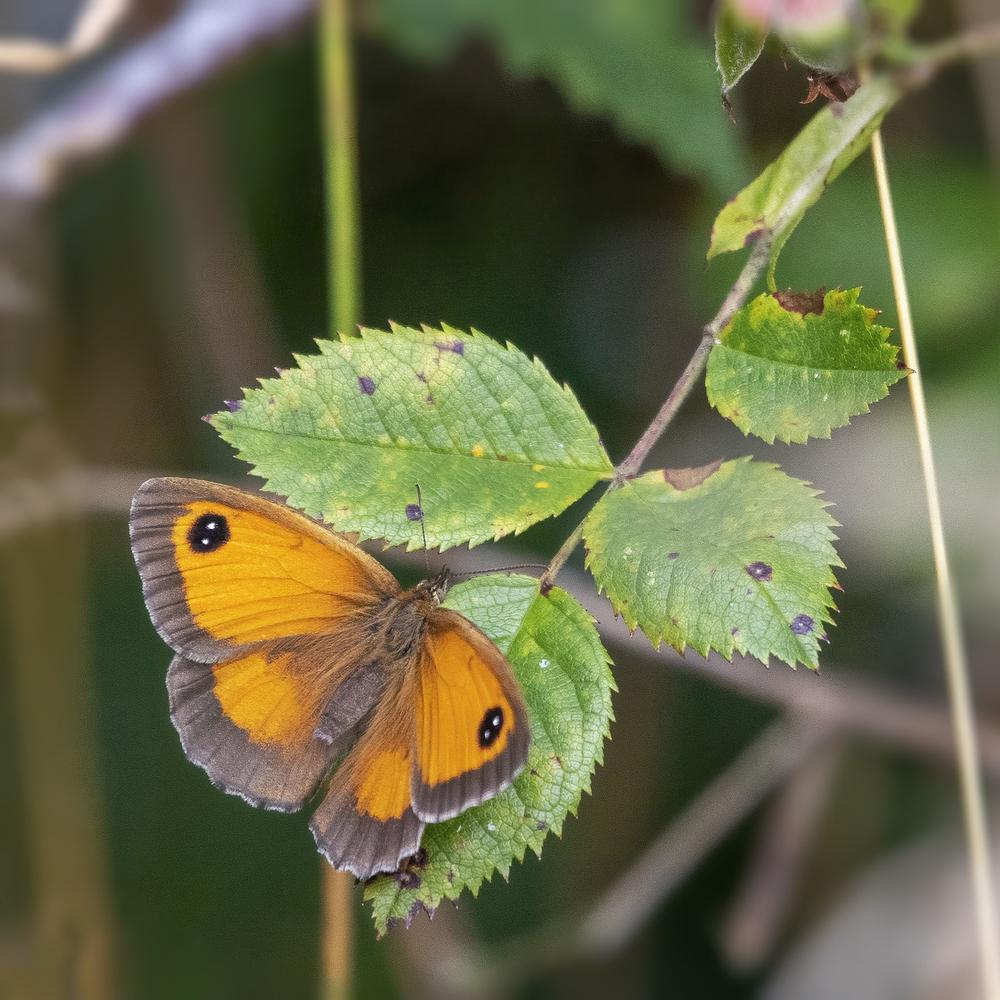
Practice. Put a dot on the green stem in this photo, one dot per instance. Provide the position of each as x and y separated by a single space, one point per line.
344 251
956 667
341 143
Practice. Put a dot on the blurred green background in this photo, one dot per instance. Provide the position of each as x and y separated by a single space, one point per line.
547 173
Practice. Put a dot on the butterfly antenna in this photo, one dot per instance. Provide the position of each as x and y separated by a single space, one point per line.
501 569
423 530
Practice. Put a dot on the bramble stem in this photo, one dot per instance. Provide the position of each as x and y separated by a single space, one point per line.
735 297
733 301
956 666
343 242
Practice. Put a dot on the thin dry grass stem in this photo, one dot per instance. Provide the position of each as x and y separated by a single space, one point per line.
337 933
953 647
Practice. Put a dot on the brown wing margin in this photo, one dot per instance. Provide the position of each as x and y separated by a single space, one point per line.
366 824
268 574
472 733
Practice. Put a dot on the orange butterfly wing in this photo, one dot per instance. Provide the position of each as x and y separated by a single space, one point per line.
223 570
244 590
366 823
472 733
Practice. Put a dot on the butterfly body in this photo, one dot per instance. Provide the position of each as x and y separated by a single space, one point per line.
297 651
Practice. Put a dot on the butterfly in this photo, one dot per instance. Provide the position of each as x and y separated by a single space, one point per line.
296 651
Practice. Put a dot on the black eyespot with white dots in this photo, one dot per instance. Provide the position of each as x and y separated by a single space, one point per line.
208 533
489 728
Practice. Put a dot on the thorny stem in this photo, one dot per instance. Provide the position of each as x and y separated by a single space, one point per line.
629 468
345 310
956 666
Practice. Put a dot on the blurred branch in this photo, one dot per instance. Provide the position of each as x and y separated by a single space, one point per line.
834 697
94 26
758 911
630 901
205 36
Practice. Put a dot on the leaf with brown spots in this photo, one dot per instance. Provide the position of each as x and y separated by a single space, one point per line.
789 367
493 441
741 562
781 195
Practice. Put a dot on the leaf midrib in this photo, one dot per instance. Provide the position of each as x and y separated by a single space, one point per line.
393 446
800 367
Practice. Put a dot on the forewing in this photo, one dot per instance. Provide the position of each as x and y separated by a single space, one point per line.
224 571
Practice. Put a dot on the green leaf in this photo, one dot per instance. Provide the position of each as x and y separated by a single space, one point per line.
638 62
793 366
564 672
493 441
735 556
788 187
738 44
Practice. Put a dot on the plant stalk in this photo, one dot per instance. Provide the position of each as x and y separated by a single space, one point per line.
956 665
341 145
629 468
344 262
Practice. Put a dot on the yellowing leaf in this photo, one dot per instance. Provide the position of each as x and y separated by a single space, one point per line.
494 443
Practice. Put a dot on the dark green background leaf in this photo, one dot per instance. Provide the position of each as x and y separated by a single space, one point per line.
635 61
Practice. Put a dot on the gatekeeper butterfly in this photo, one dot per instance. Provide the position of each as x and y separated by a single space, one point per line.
295 650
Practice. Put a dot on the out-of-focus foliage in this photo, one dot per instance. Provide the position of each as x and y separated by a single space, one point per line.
563 670
639 63
738 43
736 557
779 197
796 366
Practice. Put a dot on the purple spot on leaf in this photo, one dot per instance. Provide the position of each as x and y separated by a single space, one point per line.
760 571
414 512
802 624
422 377
672 555
455 346
367 385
